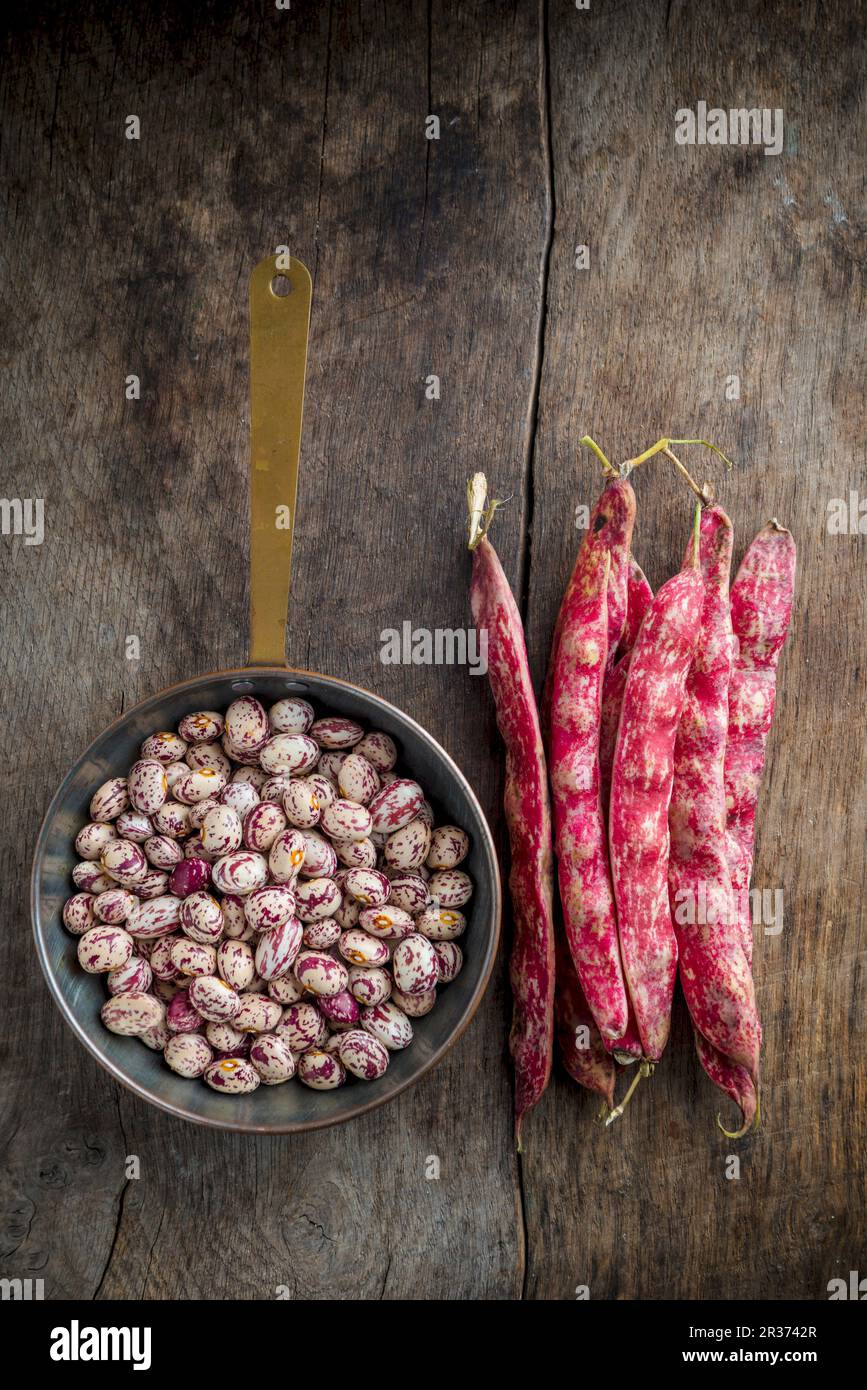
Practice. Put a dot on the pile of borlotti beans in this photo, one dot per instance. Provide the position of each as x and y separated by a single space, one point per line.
268 898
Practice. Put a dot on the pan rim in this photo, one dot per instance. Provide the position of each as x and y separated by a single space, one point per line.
153 1097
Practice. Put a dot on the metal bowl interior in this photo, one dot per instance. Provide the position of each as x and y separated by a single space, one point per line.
270 1109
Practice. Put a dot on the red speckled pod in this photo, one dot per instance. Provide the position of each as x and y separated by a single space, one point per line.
714 971
761 609
589 1065
528 816
640 792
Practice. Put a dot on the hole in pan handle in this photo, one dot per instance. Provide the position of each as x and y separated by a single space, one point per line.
279 327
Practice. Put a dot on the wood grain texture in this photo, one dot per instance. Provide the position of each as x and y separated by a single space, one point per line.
704 263
456 258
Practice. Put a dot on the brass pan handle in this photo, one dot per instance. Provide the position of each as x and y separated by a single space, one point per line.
279 326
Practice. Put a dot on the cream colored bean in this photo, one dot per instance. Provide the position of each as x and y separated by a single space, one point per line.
357 779
164 747
79 913
203 726
320 973
407 848
360 948
154 918
216 1001
188 1054
104 948
369 985
379 750
390 923
232 1075
389 1024
363 1054
277 949
93 839
414 965
449 847
293 753
272 1059
235 964
240 873
414 1005
368 887
193 958
147 786
301 803
110 800
291 716
132 1014
114 906
257 1014
262 824
221 831
450 887
136 975
286 856
441 923
320 1070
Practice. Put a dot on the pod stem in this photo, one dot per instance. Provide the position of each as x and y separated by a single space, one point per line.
481 511
645 1069
607 466
703 493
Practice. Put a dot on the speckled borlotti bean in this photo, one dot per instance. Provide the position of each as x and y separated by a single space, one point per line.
356 854
317 898
450 961
199 784
162 851
181 1016
88 876
233 1075
299 1025
389 922
449 847
368 887
135 975
262 824
241 796
221 831
124 862
302 804
110 800
155 918
257 1014
291 753
235 924
414 1005
320 1070
172 819
286 990
277 950
414 965
319 860
329 766
396 805
203 726
240 873
379 749
269 907
246 724
389 1024
223 1037
79 913
291 716
216 1001
335 732
160 960
193 958
360 948
363 1054
235 964
409 891
322 935
104 948
135 826
93 839
131 1014
147 786
369 985
407 848
357 779
201 918
154 885
272 1059
188 1054
441 923
450 887
320 973
163 747
209 756
114 906
286 856
345 820
340 1008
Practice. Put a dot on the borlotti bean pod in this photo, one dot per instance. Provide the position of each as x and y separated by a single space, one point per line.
279 323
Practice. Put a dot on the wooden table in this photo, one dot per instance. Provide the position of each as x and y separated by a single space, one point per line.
722 298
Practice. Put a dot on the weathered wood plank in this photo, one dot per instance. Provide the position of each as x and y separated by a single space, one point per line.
259 127
706 263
